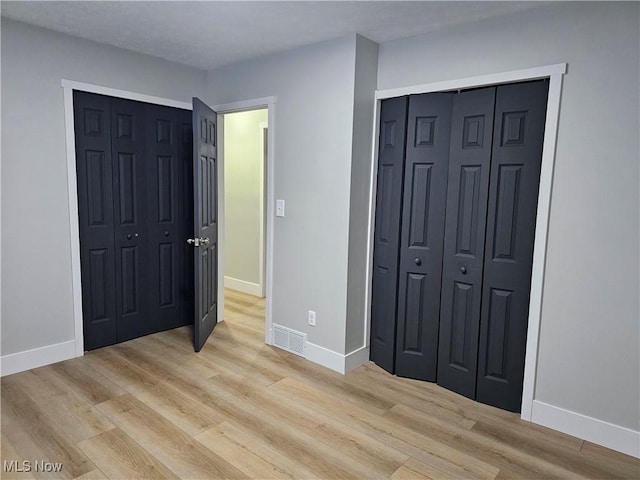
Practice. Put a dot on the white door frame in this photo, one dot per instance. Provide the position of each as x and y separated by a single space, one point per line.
68 87
555 75
269 180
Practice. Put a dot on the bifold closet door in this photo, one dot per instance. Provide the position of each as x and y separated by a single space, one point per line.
425 192
130 207
520 115
169 195
134 171
467 193
94 170
391 150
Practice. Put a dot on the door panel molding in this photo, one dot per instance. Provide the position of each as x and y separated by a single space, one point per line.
555 75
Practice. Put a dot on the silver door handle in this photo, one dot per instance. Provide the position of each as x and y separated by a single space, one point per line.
196 242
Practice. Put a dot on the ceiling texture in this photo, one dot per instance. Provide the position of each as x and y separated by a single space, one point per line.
210 34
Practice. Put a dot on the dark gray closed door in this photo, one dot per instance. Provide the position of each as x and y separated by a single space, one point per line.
169 142
132 169
520 115
393 116
468 186
425 192
130 214
94 168
205 182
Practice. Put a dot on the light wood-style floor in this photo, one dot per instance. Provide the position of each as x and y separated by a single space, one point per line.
152 408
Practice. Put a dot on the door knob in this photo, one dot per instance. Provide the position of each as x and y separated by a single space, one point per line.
196 242
463 270
418 261
128 236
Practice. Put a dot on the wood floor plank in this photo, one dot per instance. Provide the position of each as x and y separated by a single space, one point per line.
67 412
498 453
119 456
180 452
361 448
400 438
11 461
93 475
241 455
75 374
620 465
33 435
268 451
542 450
154 408
152 387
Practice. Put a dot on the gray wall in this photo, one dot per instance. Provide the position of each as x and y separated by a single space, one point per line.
36 260
313 126
365 85
589 339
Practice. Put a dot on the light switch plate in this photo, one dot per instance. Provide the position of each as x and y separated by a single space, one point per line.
279 208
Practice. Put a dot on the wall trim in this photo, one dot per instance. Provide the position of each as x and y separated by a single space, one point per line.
37 357
478 81
126 94
612 436
253 104
243 286
555 74
325 357
335 361
356 359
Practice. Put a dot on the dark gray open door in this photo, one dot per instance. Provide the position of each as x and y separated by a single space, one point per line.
205 222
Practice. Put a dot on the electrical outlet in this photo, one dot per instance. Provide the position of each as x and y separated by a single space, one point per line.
312 318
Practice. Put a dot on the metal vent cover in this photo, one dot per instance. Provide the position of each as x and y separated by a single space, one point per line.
289 340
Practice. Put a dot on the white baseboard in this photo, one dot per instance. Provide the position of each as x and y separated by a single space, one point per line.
608 435
38 357
356 358
243 286
335 361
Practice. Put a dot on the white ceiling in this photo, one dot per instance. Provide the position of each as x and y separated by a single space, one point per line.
209 34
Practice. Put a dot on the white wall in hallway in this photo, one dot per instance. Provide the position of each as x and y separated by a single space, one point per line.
244 199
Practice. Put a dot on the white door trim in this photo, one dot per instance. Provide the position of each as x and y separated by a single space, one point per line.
555 74
270 104
72 189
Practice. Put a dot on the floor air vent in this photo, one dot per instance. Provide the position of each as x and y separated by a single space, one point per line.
289 340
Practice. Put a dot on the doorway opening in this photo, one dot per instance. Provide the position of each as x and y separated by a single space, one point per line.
245 144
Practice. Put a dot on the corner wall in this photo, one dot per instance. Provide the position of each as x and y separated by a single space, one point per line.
361 163
314 87
37 308
588 375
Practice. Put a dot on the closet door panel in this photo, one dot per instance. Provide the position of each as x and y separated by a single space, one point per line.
165 170
130 230
428 132
94 169
391 151
513 198
467 194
